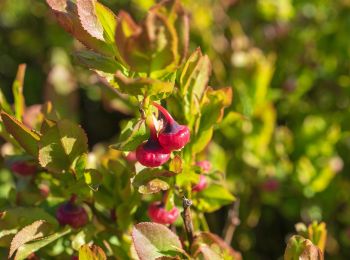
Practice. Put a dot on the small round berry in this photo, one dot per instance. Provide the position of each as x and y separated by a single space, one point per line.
151 153
159 214
71 214
201 185
24 168
205 165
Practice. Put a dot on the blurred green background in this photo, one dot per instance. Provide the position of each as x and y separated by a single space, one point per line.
284 144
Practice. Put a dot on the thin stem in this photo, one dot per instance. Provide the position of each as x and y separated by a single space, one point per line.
165 112
186 215
232 222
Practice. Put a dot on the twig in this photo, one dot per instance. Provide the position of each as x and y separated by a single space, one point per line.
186 215
232 222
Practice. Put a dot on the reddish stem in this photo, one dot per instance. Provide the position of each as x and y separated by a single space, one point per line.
165 112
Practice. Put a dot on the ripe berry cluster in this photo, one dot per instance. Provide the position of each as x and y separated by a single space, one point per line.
156 150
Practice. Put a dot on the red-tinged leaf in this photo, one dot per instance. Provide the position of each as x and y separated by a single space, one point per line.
152 46
25 250
57 5
301 248
89 19
66 14
92 252
153 240
31 232
179 18
211 246
24 136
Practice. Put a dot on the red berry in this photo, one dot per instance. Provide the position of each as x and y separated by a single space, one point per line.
71 214
159 214
205 165
151 153
201 185
24 168
173 136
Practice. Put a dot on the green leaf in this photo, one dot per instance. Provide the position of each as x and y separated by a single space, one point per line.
201 140
108 21
98 62
4 105
195 75
133 133
61 145
93 178
212 107
25 250
80 165
142 86
92 252
214 197
153 240
37 229
318 234
24 136
22 216
148 174
66 14
17 89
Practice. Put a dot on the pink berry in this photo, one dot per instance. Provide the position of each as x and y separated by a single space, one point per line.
71 214
24 168
205 165
173 136
159 214
201 185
